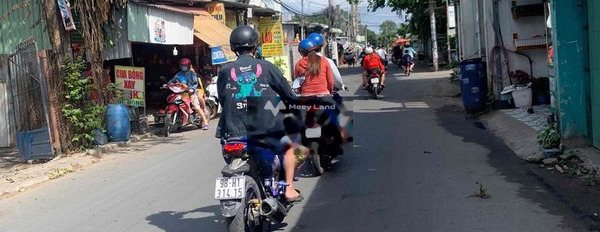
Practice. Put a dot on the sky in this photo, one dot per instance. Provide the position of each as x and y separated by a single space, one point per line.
371 19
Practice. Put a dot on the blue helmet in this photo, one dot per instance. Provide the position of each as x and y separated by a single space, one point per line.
317 38
306 45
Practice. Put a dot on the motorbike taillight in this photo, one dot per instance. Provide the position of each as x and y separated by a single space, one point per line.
234 148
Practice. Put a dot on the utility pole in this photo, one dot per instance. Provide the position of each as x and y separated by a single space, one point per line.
448 32
434 48
330 17
302 20
354 20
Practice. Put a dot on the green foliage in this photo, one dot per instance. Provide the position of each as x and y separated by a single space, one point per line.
388 33
419 23
454 75
280 64
549 136
83 115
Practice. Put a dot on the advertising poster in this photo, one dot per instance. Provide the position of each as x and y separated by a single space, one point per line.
222 54
131 81
217 10
65 13
271 34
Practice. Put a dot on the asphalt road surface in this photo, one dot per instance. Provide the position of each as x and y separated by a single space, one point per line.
415 162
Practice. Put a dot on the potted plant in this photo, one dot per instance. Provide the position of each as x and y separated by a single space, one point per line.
521 77
549 139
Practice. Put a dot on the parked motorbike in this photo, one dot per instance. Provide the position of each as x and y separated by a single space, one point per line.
212 104
374 88
176 111
252 189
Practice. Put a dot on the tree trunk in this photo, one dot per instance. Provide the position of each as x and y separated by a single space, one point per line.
434 48
61 50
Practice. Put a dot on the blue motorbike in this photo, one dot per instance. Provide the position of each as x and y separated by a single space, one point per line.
252 188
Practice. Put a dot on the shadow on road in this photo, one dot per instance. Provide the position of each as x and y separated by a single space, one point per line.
360 196
188 221
564 194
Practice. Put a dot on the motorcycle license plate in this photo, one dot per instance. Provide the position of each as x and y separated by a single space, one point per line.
313 132
375 80
229 188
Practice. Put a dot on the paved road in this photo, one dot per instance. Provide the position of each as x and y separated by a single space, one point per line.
415 160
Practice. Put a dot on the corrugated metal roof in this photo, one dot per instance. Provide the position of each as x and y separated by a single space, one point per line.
18 25
181 22
121 48
207 28
137 22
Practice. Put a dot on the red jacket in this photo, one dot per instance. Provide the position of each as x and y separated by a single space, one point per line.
373 61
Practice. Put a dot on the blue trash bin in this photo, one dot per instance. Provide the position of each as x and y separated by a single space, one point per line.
117 122
473 85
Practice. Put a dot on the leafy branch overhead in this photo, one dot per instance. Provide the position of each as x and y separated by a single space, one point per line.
415 13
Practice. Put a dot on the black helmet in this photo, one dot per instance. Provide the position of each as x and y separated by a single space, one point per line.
243 37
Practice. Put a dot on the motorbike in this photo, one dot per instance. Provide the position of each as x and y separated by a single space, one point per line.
323 138
212 103
374 88
397 61
176 114
251 190
407 61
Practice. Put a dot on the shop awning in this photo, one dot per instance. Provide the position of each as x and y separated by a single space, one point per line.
206 28
211 32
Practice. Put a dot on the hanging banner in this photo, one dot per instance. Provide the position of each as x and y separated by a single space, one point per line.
271 34
217 10
131 80
65 13
222 54
451 17
166 27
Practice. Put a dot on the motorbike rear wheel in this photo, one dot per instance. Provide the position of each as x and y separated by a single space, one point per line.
240 222
315 159
374 92
168 126
213 109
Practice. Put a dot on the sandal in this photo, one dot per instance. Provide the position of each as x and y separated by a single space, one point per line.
297 199
364 87
205 127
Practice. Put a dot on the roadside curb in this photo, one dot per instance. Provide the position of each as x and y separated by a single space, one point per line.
519 137
114 146
31 181
522 140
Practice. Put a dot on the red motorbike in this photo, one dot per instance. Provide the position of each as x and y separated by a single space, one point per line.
176 114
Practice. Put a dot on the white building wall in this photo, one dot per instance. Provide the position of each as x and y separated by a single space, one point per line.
526 27
468 29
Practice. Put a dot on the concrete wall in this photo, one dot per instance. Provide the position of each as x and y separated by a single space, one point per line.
526 27
467 30
5 117
571 60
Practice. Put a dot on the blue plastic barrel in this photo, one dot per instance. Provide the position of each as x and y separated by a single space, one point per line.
473 85
117 122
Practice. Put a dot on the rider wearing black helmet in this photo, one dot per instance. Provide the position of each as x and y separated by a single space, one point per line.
249 77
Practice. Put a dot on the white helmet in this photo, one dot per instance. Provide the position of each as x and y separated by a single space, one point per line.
369 50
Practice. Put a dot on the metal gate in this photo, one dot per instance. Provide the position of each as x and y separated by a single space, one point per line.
30 103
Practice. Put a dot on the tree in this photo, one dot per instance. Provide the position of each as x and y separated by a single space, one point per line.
423 20
372 36
388 32
388 26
